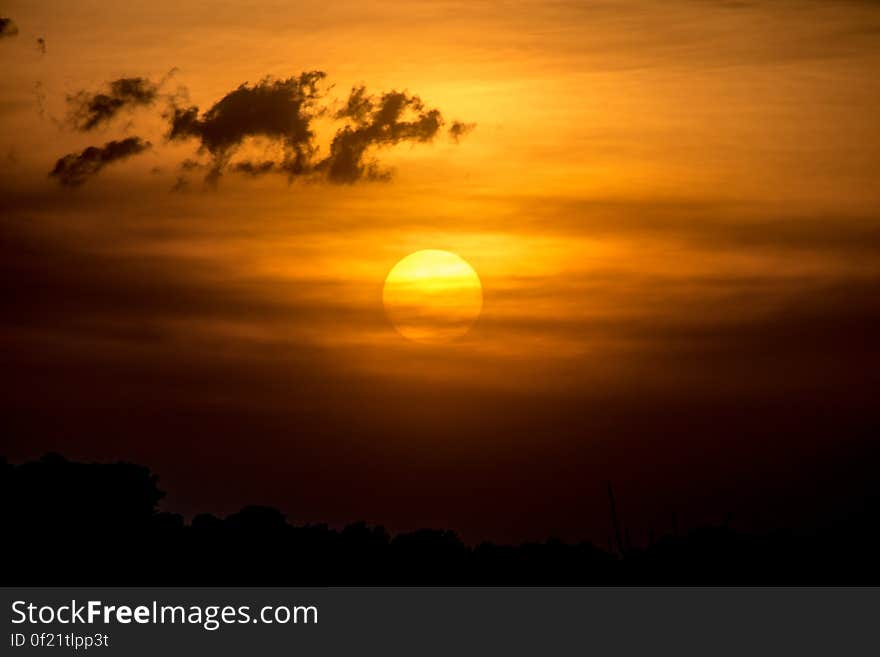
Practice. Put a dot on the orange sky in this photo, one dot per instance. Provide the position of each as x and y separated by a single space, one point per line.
663 201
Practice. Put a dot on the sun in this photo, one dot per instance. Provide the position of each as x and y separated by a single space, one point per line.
432 296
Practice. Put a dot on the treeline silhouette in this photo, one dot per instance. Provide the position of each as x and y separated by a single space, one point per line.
70 523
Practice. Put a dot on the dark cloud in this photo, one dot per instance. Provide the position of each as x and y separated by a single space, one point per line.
8 28
459 129
279 110
282 111
382 120
190 165
75 168
181 184
89 110
41 45
249 168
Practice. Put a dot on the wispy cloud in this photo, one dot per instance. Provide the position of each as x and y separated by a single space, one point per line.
75 168
88 110
8 28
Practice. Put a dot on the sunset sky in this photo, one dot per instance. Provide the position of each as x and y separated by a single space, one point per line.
673 209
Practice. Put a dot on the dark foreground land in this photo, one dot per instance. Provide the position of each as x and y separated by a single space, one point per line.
67 523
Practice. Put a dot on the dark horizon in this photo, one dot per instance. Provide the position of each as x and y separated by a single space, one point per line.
835 507
106 517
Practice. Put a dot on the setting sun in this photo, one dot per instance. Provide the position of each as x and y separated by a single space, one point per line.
432 296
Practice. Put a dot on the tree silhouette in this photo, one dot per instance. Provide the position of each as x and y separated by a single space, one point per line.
69 523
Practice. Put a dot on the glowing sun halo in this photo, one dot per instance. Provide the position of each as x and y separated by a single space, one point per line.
432 296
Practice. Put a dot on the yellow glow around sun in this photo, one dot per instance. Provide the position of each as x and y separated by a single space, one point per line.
432 296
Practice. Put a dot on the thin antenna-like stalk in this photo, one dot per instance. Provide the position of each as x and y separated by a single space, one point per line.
614 522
